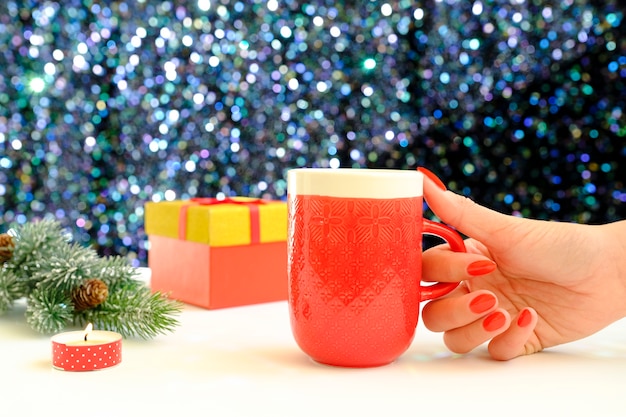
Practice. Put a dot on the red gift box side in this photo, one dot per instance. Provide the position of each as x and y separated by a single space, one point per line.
218 277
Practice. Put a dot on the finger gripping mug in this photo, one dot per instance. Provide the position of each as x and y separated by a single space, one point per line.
355 262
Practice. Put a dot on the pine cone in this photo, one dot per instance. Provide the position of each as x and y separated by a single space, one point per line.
6 247
89 294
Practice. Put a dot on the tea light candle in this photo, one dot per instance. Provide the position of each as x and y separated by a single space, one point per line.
86 350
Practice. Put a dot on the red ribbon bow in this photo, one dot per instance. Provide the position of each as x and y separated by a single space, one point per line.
253 206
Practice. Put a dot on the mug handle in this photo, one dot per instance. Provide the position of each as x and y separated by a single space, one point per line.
456 243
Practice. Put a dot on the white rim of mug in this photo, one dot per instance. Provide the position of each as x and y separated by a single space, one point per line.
355 182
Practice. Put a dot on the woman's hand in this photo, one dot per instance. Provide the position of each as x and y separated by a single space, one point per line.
526 284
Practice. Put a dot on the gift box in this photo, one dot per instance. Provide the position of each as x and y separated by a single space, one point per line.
218 253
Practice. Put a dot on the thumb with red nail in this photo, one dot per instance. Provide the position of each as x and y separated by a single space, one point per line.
526 285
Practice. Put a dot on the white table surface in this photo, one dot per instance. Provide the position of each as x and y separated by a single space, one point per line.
243 362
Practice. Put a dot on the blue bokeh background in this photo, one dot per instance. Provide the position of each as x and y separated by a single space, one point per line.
107 105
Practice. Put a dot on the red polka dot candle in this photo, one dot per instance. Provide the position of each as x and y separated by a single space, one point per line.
86 350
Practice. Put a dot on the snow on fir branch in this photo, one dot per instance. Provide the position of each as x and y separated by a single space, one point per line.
66 284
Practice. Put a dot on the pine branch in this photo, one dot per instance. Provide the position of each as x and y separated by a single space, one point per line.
11 289
56 276
134 311
48 311
34 242
67 268
115 272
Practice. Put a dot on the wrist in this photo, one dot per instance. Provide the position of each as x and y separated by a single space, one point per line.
614 257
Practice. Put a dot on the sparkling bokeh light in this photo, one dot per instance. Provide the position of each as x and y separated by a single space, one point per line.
105 105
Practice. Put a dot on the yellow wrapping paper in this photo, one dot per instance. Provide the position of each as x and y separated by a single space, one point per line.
225 224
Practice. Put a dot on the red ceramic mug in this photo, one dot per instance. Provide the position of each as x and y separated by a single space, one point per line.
355 262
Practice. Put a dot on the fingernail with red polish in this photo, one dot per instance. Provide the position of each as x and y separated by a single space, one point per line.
432 177
524 318
494 321
481 267
482 303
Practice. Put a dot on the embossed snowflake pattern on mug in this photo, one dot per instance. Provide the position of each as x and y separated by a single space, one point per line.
352 250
